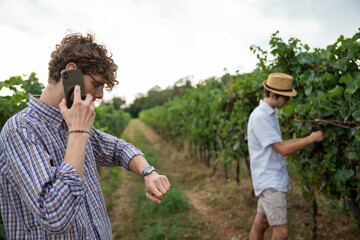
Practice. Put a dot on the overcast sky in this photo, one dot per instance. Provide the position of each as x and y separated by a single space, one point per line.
157 42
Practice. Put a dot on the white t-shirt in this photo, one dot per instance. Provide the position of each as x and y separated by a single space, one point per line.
268 167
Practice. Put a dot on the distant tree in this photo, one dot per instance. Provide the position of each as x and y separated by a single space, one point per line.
157 97
116 102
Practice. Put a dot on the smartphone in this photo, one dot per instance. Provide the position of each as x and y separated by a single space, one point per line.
70 79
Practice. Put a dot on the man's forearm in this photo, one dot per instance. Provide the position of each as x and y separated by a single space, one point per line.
293 140
291 146
75 151
137 164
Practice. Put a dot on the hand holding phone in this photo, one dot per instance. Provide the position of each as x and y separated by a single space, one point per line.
80 117
70 79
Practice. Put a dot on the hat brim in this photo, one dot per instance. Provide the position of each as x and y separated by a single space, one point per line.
292 93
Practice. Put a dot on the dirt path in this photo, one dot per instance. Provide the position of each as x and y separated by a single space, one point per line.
121 204
177 164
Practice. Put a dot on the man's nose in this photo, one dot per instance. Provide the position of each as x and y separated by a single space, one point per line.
99 94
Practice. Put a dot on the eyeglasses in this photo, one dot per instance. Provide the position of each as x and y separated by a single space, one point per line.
100 86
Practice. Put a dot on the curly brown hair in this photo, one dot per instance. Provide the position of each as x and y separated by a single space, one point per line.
90 57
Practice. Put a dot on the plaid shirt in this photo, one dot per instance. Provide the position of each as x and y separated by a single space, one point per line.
41 196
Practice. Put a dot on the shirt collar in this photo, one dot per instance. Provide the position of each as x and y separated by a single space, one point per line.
267 108
46 111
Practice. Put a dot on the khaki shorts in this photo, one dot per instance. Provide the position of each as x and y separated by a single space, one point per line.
272 203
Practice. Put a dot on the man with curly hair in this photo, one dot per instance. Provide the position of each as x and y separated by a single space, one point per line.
48 154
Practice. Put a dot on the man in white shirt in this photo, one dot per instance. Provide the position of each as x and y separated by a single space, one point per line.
267 156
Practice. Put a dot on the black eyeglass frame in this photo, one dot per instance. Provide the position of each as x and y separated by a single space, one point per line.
101 85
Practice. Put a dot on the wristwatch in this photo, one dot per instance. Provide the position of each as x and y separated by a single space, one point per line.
147 171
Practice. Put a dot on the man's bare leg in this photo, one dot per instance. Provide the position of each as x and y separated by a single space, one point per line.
280 232
259 226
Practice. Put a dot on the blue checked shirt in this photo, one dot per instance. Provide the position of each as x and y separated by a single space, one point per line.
41 196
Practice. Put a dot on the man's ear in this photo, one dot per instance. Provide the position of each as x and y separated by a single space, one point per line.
272 95
70 65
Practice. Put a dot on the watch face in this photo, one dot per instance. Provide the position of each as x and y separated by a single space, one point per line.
147 171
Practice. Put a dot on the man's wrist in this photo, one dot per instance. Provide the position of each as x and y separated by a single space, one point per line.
312 138
148 170
79 131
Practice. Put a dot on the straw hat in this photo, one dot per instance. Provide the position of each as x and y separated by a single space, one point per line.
280 83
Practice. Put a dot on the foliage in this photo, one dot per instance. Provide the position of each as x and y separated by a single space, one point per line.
18 91
117 102
327 81
156 97
111 120
213 116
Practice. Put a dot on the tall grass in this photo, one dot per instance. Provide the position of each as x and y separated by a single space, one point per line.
149 220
